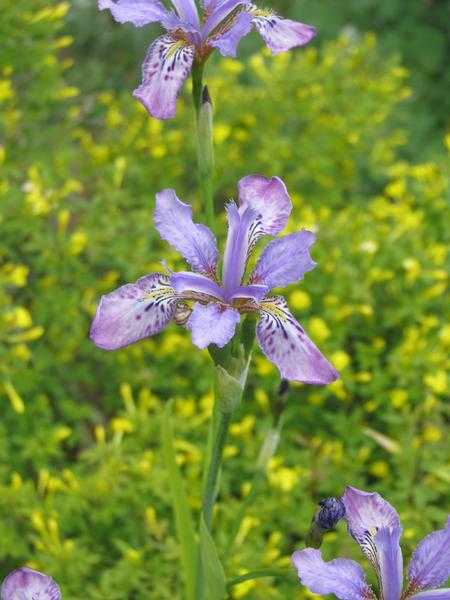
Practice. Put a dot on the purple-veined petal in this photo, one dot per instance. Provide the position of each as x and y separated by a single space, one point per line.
133 312
138 12
285 260
280 34
27 584
286 344
440 594
220 15
236 248
185 282
228 41
375 525
167 64
429 566
269 198
342 577
254 292
212 324
187 11
197 243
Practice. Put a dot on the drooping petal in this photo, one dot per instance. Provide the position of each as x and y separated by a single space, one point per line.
342 577
285 260
133 312
430 563
185 282
27 584
286 344
228 41
187 11
212 324
197 243
138 12
280 34
440 594
237 247
166 65
375 525
269 198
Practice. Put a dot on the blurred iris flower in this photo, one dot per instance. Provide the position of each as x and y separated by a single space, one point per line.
375 525
27 584
211 308
192 37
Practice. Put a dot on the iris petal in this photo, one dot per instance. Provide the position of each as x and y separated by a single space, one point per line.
138 12
133 312
167 64
342 577
28 584
212 324
430 563
286 344
280 34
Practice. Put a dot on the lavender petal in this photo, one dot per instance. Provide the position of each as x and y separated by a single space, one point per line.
138 12
342 577
228 41
285 260
286 344
186 283
218 12
430 563
440 594
187 11
280 34
269 198
27 584
133 312
167 64
375 525
212 324
197 243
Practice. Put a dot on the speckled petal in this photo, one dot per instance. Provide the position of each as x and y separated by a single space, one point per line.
430 563
375 525
280 34
286 344
27 584
285 260
133 312
166 66
212 324
270 200
197 243
342 577
138 12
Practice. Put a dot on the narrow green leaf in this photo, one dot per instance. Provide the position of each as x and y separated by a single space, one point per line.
183 517
213 573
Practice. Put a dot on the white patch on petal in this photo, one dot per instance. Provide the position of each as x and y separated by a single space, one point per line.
166 66
133 312
286 344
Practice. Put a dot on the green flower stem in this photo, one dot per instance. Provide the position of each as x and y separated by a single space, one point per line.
279 573
205 146
220 438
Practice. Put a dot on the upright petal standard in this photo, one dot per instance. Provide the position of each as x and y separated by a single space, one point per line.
192 36
28 584
210 306
375 525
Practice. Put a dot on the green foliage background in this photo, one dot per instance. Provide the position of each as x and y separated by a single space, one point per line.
355 124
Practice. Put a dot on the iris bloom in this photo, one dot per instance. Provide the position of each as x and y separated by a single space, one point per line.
27 584
210 307
375 525
192 37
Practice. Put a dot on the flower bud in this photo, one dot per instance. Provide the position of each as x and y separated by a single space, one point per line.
331 512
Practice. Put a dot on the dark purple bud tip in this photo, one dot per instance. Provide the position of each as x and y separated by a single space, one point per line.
331 512
206 98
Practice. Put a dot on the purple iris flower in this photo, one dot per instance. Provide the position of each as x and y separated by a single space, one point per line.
191 36
375 525
27 584
210 307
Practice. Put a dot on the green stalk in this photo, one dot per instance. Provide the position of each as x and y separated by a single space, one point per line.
205 147
279 573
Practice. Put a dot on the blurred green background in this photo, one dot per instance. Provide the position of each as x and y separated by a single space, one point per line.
357 125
